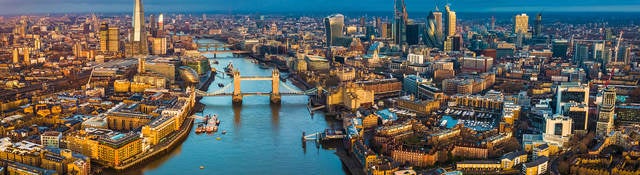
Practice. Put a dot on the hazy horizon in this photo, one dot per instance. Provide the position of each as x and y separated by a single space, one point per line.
20 7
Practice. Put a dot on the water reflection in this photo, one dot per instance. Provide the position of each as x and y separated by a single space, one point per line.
259 143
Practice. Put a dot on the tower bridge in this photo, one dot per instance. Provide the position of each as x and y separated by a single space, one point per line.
274 95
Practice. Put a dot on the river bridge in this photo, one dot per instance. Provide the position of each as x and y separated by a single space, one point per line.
216 48
275 94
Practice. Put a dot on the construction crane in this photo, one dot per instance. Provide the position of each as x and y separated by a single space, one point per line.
88 86
615 58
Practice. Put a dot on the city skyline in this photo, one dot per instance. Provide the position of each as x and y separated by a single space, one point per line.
320 87
15 7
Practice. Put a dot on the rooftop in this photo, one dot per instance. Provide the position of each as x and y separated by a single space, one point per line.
119 140
539 161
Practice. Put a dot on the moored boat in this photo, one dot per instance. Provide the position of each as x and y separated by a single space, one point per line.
264 66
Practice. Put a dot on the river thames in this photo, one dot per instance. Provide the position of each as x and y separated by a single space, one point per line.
261 138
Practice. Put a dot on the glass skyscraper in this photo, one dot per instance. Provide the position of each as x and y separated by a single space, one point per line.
138 45
333 27
451 21
434 33
400 22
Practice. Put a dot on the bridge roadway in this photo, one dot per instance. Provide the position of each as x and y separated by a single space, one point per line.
225 51
255 78
255 94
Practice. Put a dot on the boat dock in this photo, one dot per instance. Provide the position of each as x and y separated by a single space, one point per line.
328 134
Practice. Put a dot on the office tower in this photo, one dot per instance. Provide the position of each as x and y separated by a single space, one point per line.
413 34
580 53
77 49
27 59
159 46
456 43
160 29
333 27
559 48
113 41
434 34
153 25
453 43
493 23
623 54
538 25
439 26
598 51
568 93
400 22
109 38
579 113
37 43
104 37
362 21
378 25
447 46
451 21
141 62
385 30
138 45
608 34
16 55
606 112
557 130
370 31
521 24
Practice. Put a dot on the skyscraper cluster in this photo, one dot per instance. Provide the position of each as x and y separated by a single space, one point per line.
438 29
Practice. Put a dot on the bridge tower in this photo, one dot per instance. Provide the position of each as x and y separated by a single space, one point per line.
215 49
275 87
237 94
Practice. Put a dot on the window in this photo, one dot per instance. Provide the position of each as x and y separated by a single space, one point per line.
558 129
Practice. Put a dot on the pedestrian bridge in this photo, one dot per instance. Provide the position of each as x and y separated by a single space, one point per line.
274 94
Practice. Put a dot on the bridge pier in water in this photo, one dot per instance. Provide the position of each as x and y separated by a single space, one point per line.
274 96
237 94
275 87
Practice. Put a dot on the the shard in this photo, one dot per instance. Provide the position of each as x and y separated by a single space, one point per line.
139 36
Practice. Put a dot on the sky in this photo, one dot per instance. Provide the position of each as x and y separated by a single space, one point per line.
266 6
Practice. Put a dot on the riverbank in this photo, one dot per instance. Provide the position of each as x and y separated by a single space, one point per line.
349 161
174 140
211 76
165 148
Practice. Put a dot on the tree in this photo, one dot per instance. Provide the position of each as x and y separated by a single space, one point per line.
563 167
634 97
